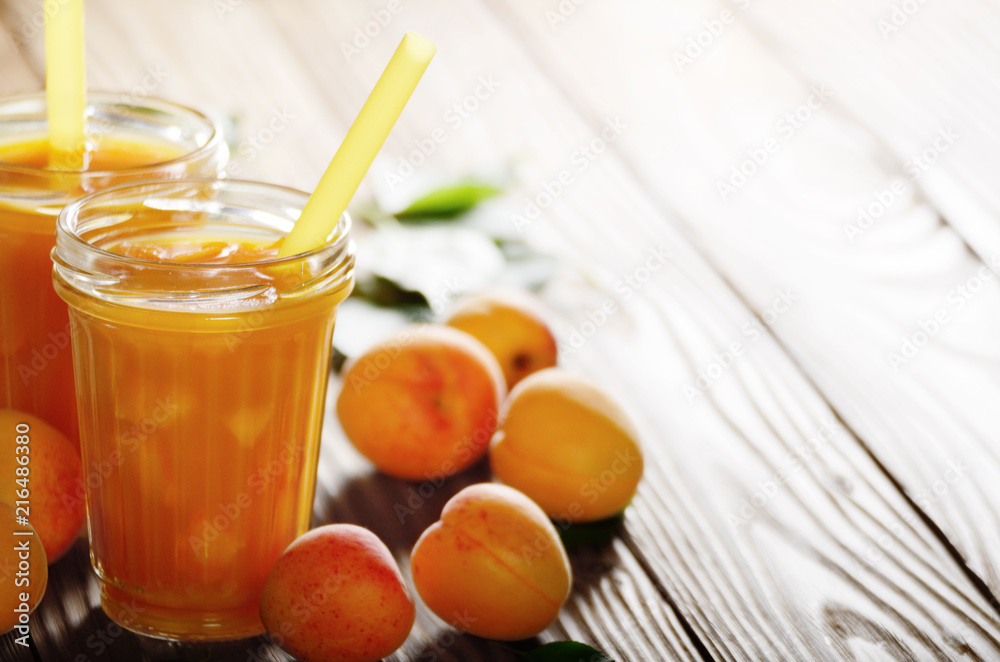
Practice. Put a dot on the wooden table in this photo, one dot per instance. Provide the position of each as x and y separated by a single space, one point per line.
814 368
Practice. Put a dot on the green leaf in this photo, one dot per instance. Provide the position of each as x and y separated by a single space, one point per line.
337 360
566 651
436 262
387 293
591 533
448 202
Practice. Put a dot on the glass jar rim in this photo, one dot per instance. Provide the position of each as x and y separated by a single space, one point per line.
113 100
65 224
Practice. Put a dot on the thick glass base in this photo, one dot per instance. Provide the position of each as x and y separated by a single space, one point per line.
129 611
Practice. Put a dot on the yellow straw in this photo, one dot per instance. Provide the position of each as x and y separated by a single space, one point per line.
322 212
64 83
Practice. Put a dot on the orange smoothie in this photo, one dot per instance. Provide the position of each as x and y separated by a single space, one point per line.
36 366
202 368
127 141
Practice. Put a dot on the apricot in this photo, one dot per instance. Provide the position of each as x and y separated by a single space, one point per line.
33 570
562 441
336 595
54 476
511 326
493 566
422 404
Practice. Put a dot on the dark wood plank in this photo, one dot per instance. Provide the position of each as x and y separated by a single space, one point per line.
842 479
861 296
612 596
790 582
846 497
935 66
909 74
615 607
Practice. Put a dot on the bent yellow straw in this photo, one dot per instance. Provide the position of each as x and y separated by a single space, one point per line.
322 212
64 83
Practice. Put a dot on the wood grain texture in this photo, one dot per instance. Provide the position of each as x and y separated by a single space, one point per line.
862 294
909 74
616 607
16 74
755 535
953 380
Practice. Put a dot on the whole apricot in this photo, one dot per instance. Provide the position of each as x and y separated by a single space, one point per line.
21 552
336 595
562 441
493 566
422 404
54 475
511 326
